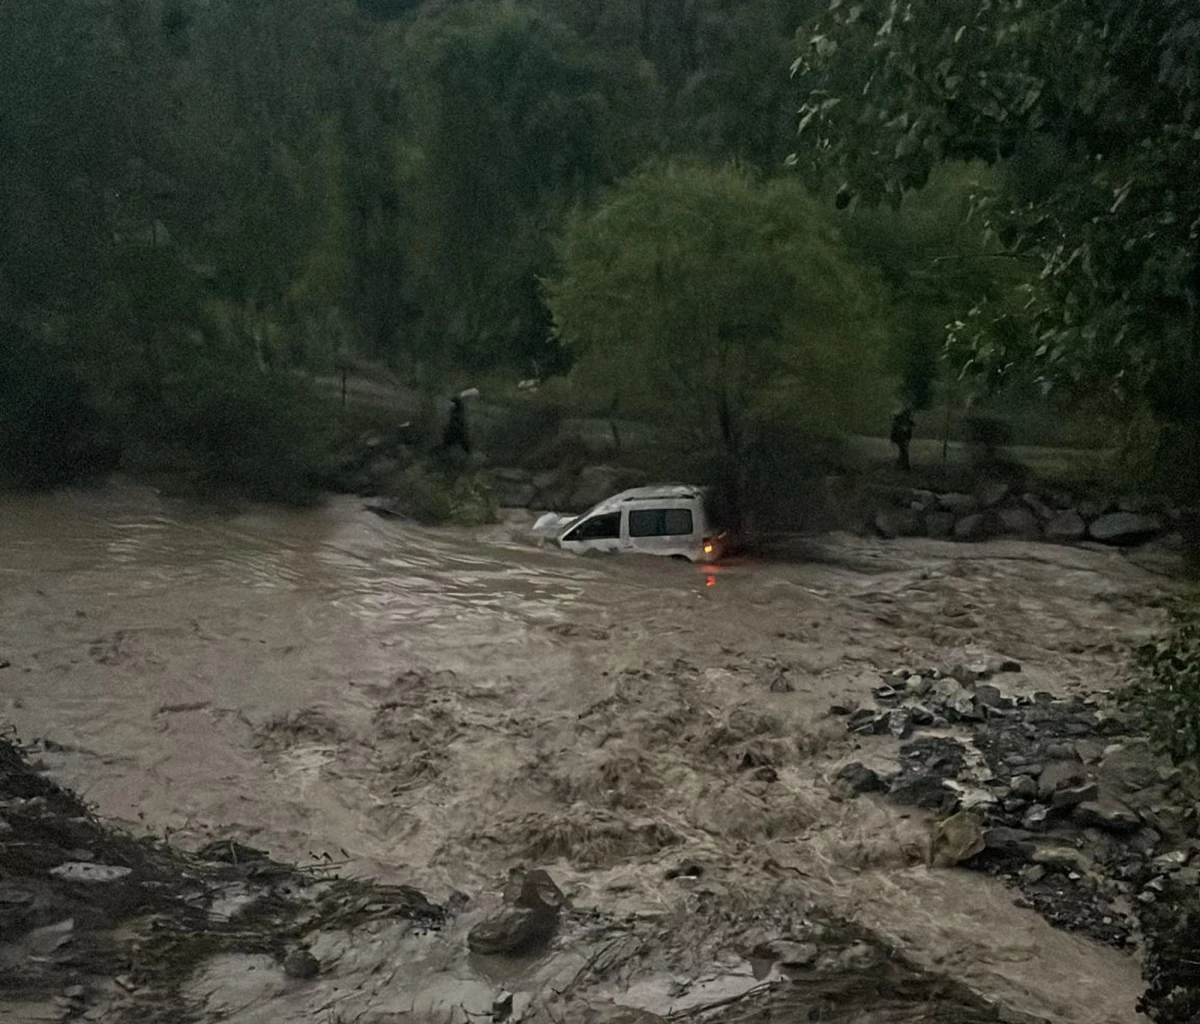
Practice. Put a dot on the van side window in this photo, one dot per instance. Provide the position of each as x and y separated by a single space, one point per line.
660 522
605 527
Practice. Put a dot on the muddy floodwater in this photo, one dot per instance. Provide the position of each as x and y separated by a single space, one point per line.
435 707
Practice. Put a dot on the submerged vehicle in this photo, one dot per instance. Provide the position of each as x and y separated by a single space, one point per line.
668 519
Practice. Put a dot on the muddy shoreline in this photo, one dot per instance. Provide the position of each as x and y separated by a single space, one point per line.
433 708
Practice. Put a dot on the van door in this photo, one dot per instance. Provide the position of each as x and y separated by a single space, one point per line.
596 533
663 530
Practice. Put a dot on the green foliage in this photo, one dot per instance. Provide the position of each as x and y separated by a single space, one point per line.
1094 106
1171 926
1166 691
712 299
226 429
50 432
433 497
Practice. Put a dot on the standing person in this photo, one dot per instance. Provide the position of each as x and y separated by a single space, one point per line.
456 434
902 432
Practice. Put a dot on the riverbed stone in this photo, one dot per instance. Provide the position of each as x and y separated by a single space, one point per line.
1124 528
1066 526
1020 522
1107 816
977 526
958 504
939 525
898 522
991 492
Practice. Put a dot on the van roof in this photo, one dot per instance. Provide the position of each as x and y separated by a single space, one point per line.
655 492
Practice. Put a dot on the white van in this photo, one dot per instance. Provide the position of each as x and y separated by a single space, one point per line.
669 519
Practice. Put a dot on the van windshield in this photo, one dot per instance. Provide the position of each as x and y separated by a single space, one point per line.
605 527
661 522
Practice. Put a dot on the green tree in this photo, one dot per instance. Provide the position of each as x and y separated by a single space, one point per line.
511 122
715 302
1096 106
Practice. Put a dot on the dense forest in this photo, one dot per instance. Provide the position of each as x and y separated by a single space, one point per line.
779 208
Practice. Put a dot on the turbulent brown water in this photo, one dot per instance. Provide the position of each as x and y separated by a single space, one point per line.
433 707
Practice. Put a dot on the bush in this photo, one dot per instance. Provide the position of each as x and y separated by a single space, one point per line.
1165 693
50 433
433 498
234 429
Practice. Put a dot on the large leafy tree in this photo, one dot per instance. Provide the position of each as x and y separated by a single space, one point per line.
1096 105
511 121
715 300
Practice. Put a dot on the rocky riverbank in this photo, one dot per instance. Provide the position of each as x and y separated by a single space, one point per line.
995 509
1057 796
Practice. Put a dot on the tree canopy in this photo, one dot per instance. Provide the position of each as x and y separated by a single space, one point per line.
715 298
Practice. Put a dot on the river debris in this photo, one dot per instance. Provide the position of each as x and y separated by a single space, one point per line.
1052 794
91 915
529 918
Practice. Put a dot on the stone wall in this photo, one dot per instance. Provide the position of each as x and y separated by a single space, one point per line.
995 510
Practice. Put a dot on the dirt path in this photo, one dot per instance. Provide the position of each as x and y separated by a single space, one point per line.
434 708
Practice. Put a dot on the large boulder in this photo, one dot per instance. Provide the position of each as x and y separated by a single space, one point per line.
959 504
532 903
1020 522
1124 528
979 526
1066 526
939 525
957 839
1096 506
1130 767
991 492
1038 507
898 522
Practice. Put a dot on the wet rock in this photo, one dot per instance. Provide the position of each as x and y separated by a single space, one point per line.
958 504
927 793
1064 857
868 722
1038 507
1059 775
939 525
301 964
1023 787
1035 818
991 492
1073 796
1066 527
1096 505
861 779
1020 522
1110 817
511 931
786 953
894 522
1124 528
1033 874
991 697
530 917
1012 842
974 527
957 839
1130 766
900 723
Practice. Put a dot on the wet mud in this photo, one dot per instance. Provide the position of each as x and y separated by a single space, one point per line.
435 709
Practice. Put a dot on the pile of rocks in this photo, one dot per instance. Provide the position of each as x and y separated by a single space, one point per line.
996 510
1052 794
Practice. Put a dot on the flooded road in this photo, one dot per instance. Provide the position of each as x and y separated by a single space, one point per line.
434 707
